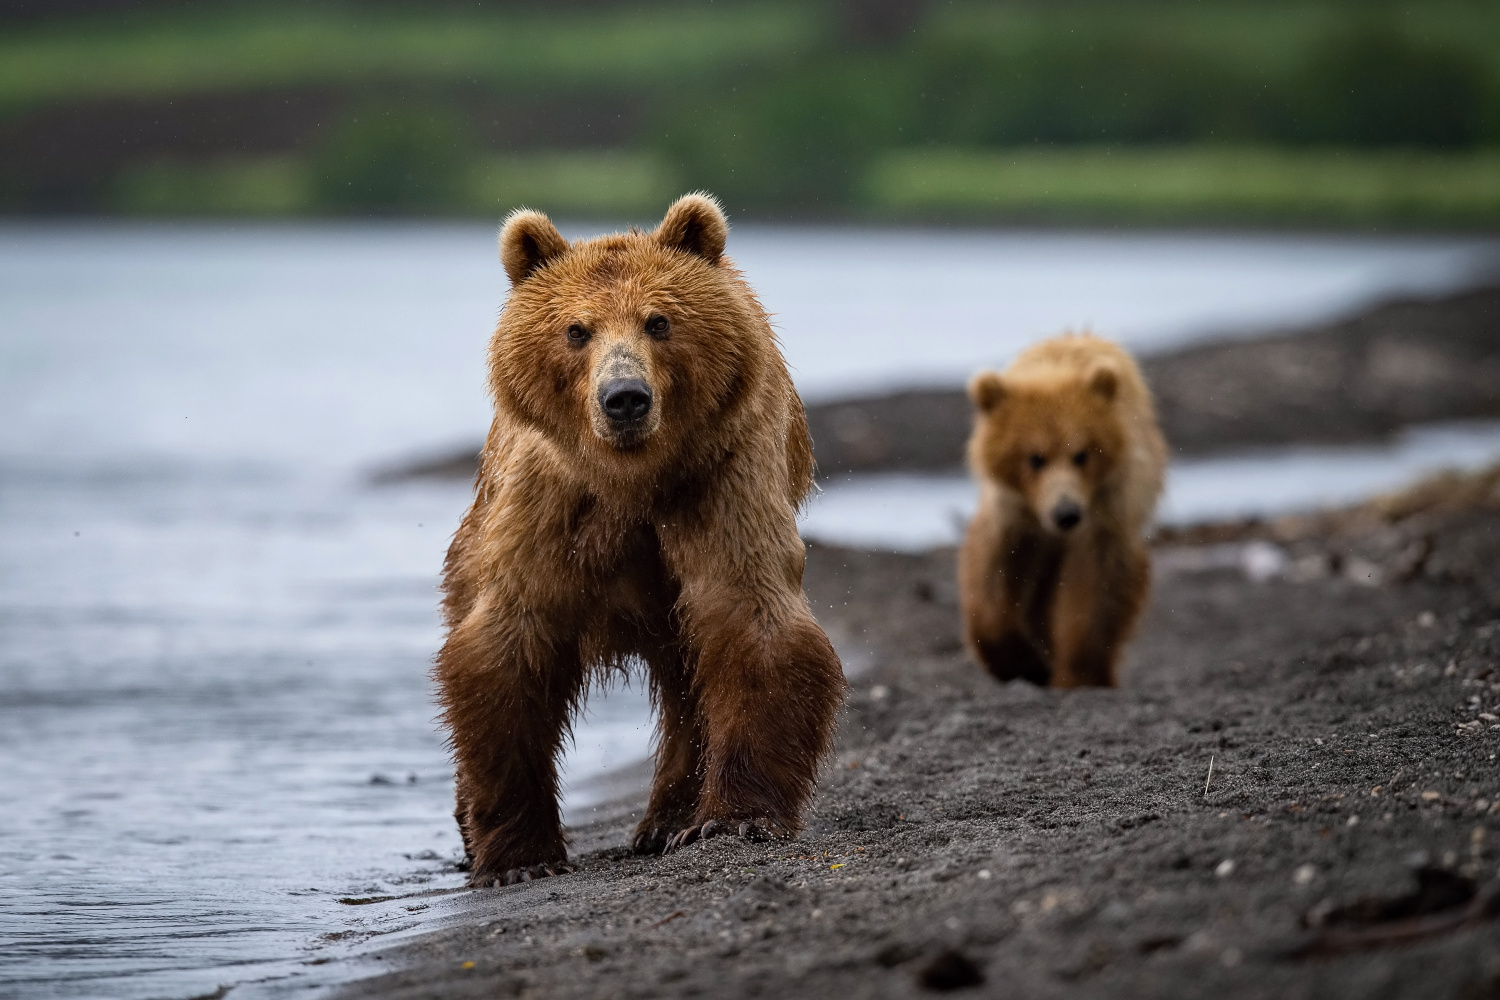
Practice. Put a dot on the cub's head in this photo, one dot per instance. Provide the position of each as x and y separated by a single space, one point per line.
624 345
1054 442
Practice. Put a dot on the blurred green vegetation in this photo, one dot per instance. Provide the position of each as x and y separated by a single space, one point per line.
175 50
1207 184
576 183
407 158
1140 111
572 183
272 186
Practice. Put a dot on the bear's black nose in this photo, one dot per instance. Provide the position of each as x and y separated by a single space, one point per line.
625 400
1066 515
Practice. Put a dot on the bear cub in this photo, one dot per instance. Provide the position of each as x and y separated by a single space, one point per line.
635 502
1053 571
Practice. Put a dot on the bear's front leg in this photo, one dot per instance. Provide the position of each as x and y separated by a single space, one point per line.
507 692
1009 655
1100 593
1006 580
769 685
767 680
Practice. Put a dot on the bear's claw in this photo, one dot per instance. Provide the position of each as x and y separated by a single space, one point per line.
650 840
760 828
515 876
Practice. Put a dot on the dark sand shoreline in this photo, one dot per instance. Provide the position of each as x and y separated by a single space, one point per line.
1062 843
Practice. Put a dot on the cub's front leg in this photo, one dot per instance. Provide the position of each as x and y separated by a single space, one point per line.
507 687
1100 595
1000 578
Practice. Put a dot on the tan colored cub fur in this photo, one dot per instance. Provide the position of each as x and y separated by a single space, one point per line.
1054 572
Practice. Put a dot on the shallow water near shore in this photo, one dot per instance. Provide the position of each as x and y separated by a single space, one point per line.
214 635
217 724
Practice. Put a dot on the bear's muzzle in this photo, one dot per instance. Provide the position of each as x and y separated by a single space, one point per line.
626 407
1066 514
625 401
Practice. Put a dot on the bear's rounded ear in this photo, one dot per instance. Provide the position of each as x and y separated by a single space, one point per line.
987 390
1104 381
528 240
695 223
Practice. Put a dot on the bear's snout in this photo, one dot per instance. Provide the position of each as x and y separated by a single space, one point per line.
1066 515
626 408
625 401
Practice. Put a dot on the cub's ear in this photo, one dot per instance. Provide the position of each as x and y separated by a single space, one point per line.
987 390
1104 381
528 240
695 223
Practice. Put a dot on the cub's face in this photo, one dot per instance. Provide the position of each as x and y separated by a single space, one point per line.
626 343
1053 443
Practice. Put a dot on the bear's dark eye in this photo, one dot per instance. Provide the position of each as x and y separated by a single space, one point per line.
577 334
658 327
1081 459
1037 461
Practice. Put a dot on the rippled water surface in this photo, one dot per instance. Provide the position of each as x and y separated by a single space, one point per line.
214 634
216 722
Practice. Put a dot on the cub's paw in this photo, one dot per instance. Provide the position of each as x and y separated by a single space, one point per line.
758 828
515 876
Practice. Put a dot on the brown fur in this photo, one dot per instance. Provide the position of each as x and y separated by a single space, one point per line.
1068 428
673 541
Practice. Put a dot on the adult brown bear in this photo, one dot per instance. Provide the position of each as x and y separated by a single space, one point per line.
636 499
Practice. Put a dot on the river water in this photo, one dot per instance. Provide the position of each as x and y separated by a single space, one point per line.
215 721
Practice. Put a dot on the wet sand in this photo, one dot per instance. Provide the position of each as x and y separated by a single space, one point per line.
1340 676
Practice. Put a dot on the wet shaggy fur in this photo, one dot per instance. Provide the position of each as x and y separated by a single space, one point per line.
603 534
1053 572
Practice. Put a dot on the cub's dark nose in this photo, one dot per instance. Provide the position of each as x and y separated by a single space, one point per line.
1066 515
625 400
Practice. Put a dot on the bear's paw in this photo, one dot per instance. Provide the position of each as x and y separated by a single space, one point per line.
755 829
515 876
650 839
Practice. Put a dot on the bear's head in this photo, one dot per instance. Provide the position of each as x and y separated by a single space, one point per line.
623 348
1054 442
